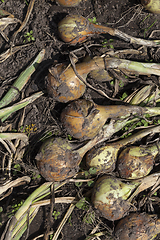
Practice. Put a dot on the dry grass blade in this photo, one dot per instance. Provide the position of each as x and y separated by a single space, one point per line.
4 22
6 19
57 200
11 136
6 112
14 183
9 52
6 146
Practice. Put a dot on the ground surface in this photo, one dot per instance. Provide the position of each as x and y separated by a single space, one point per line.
43 114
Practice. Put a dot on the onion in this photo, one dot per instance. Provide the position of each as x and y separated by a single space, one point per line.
151 5
83 119
58 159
113 197
137 226
66 83
75 29
69 3
110 196
63 84
136 162
104 159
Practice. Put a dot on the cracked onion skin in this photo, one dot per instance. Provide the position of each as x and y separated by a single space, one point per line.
151 5
109 196
56 161
69 3
137 226
136 162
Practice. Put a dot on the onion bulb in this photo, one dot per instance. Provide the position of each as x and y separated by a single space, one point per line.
133 162
137 226
110 196
151 5
66 83
136 162
83 119
69 3
63 83
58 159
113 197
75 29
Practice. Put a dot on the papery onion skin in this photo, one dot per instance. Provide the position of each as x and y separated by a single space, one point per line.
56 161
135 162
137 226
109 196
69 3
152 5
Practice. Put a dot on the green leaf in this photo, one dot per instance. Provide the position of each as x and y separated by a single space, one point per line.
78 184
81 204
90 183
92 170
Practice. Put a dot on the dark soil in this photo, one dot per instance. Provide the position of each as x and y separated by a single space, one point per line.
44 113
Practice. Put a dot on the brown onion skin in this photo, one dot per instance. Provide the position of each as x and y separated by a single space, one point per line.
84 114
69 3
134 167
63 85
151 5
137 226
56 161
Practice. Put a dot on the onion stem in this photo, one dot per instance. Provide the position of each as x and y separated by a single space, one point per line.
21 81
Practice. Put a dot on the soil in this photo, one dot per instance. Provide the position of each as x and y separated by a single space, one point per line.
43 114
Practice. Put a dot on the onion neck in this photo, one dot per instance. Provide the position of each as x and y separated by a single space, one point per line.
90 144
86 67
102 29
